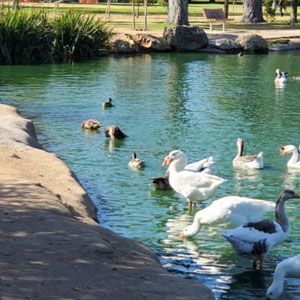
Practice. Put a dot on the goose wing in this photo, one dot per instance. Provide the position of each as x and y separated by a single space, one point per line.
200 165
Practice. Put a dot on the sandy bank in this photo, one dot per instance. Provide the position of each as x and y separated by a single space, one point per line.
51 245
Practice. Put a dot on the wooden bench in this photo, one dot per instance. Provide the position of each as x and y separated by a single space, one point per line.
214 15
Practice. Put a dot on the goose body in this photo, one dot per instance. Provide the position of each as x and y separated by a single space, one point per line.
254 240
291 149
91 124
289 266
247 161
194 186
231 210
281 77
136 163
162 182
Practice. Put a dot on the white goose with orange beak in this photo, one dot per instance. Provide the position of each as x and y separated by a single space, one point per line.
192 185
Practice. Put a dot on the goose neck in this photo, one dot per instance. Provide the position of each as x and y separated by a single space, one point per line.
294 157
281 217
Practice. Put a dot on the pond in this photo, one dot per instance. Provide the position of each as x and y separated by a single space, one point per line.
199 103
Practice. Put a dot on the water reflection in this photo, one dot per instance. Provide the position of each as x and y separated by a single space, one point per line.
112 144
291 179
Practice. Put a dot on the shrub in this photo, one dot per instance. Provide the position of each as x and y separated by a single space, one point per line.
24 37
77 37
35 38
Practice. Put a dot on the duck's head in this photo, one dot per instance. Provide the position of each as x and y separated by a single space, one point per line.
175 155
189 231
277 72
133 156
287 149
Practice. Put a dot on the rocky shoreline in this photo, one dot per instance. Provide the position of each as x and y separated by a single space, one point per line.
194 39
51 244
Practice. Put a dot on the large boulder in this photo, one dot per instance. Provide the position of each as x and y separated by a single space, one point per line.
227 45
149 42
253 43
123 43
185 38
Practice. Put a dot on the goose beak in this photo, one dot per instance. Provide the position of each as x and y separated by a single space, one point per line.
296 195
167 161
181 235
282 150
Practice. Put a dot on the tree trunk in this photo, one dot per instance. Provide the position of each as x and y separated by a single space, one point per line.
293 18
252 11
145 15
15 4
226 7
178 12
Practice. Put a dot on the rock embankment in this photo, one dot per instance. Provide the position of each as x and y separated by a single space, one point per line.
192 39
51 245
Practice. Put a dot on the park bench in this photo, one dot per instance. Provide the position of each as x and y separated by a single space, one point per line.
214 15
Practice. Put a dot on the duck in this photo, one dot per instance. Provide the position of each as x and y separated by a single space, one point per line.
247 161
136 163
114 132
107 103
230 210
194 186
293 162
289 266
254 240
281 77
203 165
296 77
91 124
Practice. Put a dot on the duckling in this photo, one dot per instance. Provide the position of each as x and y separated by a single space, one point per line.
136 163
107 103
114 132
91 124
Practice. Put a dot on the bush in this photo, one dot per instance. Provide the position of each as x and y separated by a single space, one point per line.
78 37
24 37
33 37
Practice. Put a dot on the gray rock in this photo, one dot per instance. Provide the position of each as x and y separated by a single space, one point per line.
253 43
227 45
151 43
185 38
123 43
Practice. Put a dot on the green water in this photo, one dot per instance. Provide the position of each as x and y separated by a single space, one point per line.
199 103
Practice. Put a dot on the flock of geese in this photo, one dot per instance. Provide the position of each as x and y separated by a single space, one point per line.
254 236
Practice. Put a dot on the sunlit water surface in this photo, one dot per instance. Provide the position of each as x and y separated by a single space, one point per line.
199 103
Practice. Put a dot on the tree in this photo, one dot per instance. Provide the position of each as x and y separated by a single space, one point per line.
293 17
252 11
178 12
15 4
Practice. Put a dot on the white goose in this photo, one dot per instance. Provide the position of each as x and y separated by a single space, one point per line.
281 77
162 182
255 239
247 161
231 210
194 186
293 162
289 266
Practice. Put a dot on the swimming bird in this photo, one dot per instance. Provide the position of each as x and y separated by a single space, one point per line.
136 163
247 161
114 132
289 266
255 239
107 103
230 210
281 77
293 162
91 124
203 165
194 186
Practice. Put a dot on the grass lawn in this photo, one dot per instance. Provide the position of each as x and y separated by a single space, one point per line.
121 15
